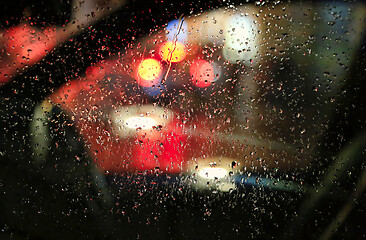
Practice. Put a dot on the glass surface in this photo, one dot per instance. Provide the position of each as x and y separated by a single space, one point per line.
182 120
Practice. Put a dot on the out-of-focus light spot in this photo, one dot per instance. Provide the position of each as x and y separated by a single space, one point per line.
173 32
140 122
241 41
127 119
172 51
202 73
149 72
212 173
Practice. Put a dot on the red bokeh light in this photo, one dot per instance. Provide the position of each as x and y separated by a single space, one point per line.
202 73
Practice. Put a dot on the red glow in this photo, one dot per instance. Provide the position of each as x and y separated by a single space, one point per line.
165 149
24 45
202 73
95 72
165 152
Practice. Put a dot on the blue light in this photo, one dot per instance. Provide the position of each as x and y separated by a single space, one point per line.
154 90
173 31
272 184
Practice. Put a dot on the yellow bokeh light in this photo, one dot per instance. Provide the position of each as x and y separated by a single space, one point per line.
149 72
172 51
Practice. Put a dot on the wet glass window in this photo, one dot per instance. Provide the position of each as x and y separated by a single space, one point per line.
182 120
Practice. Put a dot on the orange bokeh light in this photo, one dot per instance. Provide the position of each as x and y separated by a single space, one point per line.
172 51
149 71
202 73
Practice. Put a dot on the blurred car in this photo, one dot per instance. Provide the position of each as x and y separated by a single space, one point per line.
198 89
